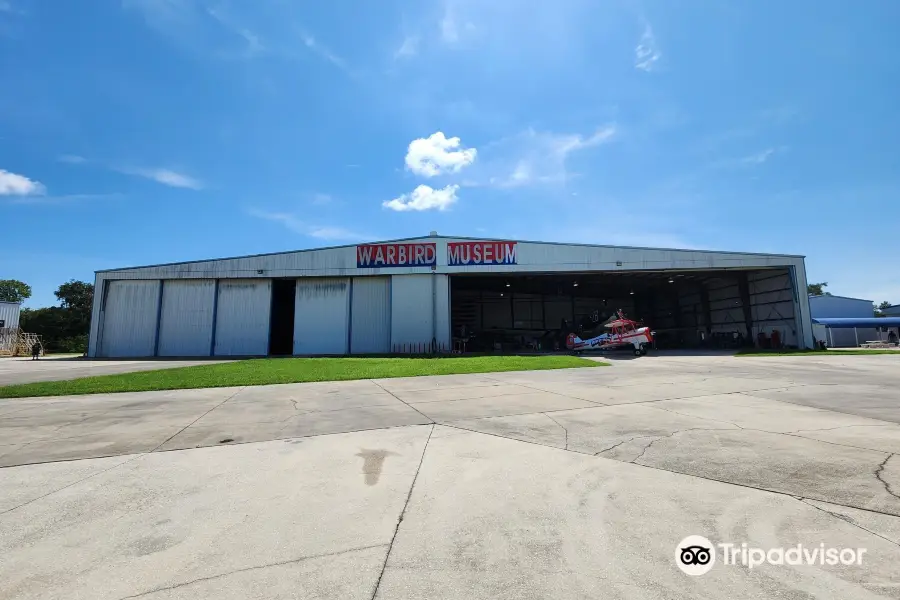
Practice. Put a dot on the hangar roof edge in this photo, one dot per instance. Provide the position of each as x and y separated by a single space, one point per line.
446 237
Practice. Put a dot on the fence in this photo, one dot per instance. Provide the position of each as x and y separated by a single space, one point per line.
15 342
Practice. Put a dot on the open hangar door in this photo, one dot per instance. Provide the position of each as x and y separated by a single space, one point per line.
685 309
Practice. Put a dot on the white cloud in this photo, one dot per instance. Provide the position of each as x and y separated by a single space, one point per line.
13 184
72 159
165 177
646 53
333 233
298 225
324 52
437 154
321 199
759 158
409 47
537 157
424 198
450 26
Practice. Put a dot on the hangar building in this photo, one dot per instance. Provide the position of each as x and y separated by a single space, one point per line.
435 292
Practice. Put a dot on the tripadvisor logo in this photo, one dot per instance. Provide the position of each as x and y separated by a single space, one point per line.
696 555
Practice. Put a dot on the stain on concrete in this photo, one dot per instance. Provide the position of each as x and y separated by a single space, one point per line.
152 544
373 462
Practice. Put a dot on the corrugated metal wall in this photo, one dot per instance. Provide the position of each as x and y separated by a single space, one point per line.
128 321
322 315
370 327
9 314
725 307
839 306
420 309
186 318
772 304
242 317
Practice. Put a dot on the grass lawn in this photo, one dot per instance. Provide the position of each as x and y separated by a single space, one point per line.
289 370
760 352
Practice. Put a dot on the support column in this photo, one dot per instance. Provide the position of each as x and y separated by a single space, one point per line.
744 287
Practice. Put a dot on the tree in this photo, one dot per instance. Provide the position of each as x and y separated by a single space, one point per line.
879 308
63 328
817 289
13 290
75 294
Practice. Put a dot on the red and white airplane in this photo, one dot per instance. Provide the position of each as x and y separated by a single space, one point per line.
622 332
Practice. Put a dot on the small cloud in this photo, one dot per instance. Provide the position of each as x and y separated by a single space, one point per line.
13 184
437 154
324 52
424 198
333 233
449 30
297 225
322 199
165 177
409 47
646 53
450 26
72 159
758 158
538 157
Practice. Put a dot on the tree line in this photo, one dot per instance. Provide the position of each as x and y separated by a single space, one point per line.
63 328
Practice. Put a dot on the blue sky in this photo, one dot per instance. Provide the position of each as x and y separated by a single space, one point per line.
146 131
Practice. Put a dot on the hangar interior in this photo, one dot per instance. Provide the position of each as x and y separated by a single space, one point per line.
685 309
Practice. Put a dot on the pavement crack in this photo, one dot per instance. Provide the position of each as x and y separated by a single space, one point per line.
838 427
675 412
179 432
674 433
253 568
617 444
387 555
848 520
135 457
395 396
878 476
563 428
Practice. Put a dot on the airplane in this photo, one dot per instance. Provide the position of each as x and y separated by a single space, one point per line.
623 332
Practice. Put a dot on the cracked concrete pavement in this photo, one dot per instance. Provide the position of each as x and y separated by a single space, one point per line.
562 484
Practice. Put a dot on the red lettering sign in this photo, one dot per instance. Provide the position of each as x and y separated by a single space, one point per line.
481 253
370 256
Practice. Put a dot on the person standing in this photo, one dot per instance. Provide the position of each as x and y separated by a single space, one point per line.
36 351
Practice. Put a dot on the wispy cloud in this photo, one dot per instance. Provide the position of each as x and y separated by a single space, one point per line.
758 158
321 199
751 160
298 225
315 46
409 47
424 198
164 176
72 159
646 53
534 157
13 184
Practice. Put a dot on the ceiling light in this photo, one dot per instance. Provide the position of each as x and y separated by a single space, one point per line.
507 284
671 280
575 284
631 292
501 294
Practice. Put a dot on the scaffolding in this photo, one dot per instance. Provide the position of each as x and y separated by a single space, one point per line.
15 342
